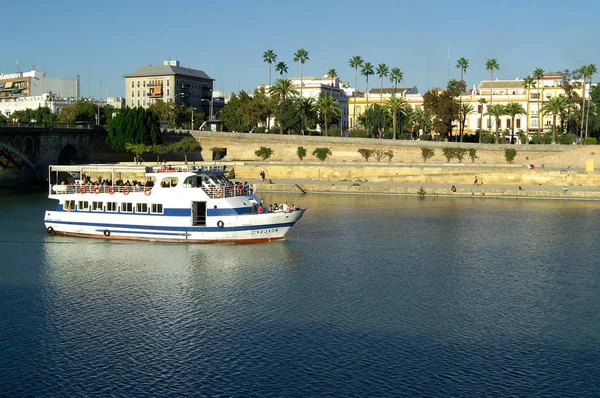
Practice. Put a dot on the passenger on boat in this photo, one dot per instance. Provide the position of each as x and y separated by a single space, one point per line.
275 207
285 208
260 209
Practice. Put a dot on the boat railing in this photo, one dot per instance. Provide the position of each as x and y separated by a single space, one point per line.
97 189
184 169
229 191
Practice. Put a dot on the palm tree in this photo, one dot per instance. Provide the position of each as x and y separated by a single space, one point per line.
331 73
382 71
269 57
584 74
397 105
464 110
538 74
283 88
591 70
482 102
305 107
301 56
366 71
555 106
396 76
491 65
355 62
463 65
282 68
326 105
497 111
513 109
528 83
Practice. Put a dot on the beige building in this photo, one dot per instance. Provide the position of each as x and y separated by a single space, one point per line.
169 82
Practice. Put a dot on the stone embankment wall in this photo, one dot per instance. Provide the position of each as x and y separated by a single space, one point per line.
241 147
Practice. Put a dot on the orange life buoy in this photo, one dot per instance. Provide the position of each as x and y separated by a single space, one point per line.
147 191
126 191
110 190
97 190
218 192
239 190
82 190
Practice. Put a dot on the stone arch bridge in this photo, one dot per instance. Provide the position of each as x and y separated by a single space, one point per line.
26 152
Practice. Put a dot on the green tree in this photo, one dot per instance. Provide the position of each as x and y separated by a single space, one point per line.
80 111
397 106
326 105
301 56
590 72
442 107
133 126
396 76
355 62
496 111
138 150
322 153
269 57
462 64
287 116
482 103
513 109
491 65
382 71
538 74
332 74
464 110
555 106
234 113
186 145
528 84
158 150
282 89
281 68
264 153
366 71
308 114
376 119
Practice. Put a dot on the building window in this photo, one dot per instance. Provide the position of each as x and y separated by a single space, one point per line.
138 83
489 123
133 93
479 123
144 83
132 84
144 102
139 93
138 102
534 123
168 80
141 208
168 90
507 123
518 122
126 207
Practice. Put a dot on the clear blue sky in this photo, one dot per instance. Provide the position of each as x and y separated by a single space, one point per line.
226 39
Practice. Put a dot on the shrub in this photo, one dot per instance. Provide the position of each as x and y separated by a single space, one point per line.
509 154
460 154
449 153
425 137
260 130
566 139
301 152
335 131
378 154
358 133
427 153
389 153
405 136
488 138
473 154
591 141
264 153
322 153
365 153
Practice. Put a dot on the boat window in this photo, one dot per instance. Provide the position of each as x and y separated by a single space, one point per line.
156 208
83 205
169 182
190 182
141 207
69 205
126 207
111 206
97 206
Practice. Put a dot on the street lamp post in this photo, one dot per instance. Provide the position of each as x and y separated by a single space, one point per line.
210 108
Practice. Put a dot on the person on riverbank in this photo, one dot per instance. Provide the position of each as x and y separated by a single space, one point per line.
475 182
564 190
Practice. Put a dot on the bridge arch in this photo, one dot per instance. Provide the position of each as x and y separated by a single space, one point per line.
68 155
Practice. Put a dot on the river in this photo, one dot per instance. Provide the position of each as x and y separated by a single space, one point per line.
369 296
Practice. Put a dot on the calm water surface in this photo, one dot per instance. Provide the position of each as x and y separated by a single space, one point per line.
369 296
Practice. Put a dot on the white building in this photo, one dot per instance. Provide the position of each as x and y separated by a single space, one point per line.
22 103
35 83
313 86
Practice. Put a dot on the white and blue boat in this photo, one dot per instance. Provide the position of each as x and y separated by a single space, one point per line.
161 203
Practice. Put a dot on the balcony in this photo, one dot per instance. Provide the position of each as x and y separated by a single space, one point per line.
155 84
